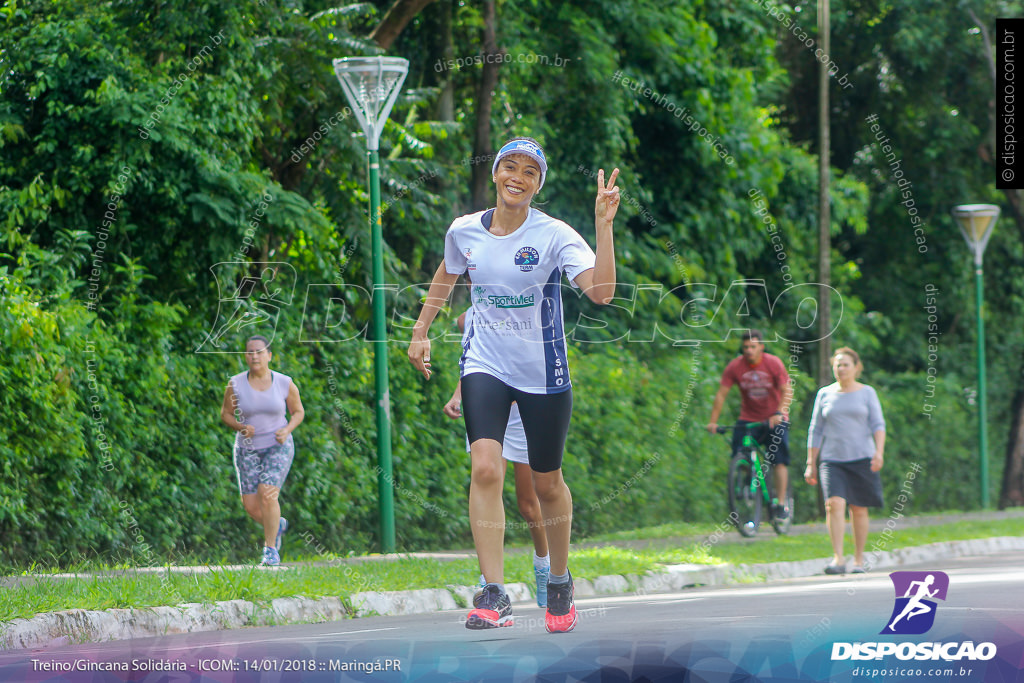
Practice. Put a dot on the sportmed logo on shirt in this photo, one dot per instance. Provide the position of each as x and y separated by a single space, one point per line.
521 301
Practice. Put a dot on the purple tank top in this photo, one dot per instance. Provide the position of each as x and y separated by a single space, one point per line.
264 410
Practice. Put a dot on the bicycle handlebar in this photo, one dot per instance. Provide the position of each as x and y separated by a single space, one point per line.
723 429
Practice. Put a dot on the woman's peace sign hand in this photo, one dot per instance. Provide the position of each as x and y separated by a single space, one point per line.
607 197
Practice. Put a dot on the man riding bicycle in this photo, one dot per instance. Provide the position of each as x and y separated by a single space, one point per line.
765 394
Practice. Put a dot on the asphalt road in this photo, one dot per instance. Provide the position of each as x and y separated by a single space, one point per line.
779 631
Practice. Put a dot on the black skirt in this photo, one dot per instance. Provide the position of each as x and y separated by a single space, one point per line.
853 481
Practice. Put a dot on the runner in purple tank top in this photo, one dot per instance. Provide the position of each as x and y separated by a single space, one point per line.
255 404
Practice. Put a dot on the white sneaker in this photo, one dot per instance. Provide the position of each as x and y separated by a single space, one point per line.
271 558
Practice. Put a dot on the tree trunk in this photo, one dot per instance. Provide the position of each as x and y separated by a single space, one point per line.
1013 472
446 102
397 18
484 96
824 373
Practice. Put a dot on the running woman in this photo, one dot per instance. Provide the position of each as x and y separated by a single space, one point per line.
515 352
514 450
254 406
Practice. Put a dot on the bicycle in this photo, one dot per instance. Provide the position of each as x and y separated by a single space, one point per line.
750 486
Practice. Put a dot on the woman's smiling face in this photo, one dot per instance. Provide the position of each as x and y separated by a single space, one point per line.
517 179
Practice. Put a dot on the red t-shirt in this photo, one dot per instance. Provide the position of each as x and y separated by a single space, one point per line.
760 386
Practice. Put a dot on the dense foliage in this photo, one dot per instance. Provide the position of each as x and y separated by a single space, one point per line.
157 159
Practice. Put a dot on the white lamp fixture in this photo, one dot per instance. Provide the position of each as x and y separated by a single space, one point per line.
371 85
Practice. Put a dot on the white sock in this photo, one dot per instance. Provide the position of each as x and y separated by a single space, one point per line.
541 562
559 578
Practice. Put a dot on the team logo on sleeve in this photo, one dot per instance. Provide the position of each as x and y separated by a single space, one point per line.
527 259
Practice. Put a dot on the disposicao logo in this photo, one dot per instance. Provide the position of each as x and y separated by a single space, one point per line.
914 611
913 614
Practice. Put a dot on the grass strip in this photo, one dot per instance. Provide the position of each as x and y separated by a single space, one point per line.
126 588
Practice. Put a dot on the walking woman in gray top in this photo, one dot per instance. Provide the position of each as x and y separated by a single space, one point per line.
845 445
254 406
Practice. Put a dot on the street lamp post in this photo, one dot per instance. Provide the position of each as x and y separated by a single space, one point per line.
976 222
371 85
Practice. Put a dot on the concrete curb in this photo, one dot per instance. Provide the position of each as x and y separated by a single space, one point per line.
893 559
79 626
69 627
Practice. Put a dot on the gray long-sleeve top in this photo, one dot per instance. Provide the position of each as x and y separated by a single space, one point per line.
844 423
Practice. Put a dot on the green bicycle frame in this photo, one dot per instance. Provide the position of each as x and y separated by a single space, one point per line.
749 443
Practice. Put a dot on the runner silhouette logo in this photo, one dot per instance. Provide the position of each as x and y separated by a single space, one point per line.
916 592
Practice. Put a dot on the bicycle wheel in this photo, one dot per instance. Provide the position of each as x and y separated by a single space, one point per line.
744 498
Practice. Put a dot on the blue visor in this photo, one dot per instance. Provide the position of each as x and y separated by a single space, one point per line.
528 148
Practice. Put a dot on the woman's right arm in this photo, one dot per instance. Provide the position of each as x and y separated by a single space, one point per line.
227 413
437 296
811 472
815 436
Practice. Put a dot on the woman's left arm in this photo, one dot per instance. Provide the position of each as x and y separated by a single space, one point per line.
878 458
876 422
294 403
598 283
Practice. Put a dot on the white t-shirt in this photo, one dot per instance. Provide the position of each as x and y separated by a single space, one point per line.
513 447
517 332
